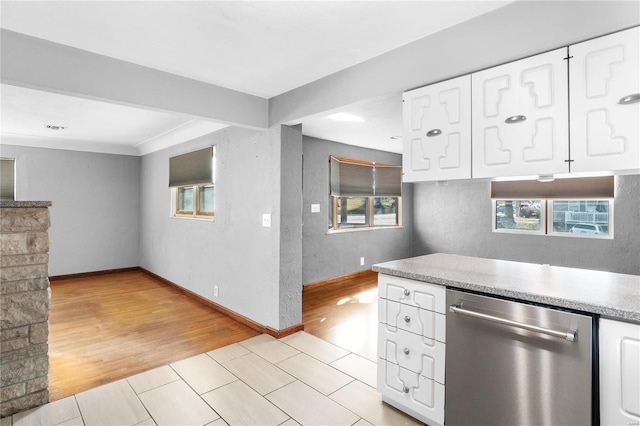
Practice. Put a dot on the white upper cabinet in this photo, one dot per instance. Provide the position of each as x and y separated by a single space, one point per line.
520 117
605 103
437 131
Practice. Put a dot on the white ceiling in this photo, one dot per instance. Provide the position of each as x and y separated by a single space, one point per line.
262 48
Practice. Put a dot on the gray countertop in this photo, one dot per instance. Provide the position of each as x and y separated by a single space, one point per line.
24 204
611 295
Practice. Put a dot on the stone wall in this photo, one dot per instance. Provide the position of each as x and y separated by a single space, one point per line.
24 305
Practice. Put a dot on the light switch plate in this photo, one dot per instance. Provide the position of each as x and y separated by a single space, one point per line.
266 220
315 208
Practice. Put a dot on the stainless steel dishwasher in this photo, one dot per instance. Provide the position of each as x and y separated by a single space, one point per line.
511 363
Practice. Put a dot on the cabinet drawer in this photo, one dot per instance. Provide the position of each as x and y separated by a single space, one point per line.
419 396
415 353
415 293
425 323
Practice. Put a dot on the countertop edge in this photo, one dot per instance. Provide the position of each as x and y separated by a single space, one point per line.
602 310
9 204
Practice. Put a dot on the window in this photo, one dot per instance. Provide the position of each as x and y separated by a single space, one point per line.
191 178
364 194
578 207
519 216
7 179
593 218
194 200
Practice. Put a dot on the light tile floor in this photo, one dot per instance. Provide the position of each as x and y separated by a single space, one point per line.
297 380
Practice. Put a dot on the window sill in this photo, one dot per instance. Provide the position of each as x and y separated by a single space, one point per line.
200 218
583 236
362 229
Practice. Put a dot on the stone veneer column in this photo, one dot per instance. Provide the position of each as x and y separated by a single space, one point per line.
24 305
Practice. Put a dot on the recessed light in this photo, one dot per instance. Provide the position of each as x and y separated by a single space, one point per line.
53 127
343 116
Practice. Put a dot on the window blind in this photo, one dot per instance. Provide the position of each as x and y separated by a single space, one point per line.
351 179
7 179
193 168
600 187
388 181
355 178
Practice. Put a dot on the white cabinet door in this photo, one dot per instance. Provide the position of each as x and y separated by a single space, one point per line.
605 103
437 131
520 117
619 373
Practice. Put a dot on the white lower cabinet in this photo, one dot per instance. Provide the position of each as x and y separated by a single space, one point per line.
415 320
619 373
411 347
411 392
416 353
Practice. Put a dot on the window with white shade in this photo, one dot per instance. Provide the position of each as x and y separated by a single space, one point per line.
192 183
364 194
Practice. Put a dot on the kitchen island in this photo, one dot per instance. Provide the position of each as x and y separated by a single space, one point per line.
430 351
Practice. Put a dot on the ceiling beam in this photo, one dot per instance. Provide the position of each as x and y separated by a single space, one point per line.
44 65
515 31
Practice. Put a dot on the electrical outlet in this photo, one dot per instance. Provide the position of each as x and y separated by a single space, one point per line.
266 220
362 261
215 291
315 208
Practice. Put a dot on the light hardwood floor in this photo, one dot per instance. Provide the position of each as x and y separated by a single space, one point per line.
108 327
345 313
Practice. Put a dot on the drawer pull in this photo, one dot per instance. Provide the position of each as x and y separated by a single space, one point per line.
407 319
406 292
434 132
406 351
405 389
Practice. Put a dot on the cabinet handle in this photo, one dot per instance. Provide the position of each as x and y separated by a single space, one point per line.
434 132
406 292
630 99
406 351
407 319
405 389
515 119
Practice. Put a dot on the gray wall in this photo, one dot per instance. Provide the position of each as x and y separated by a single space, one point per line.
290 226
456 218
233 251
330 255
95 205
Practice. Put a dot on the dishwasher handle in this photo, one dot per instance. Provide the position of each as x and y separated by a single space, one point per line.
569 335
